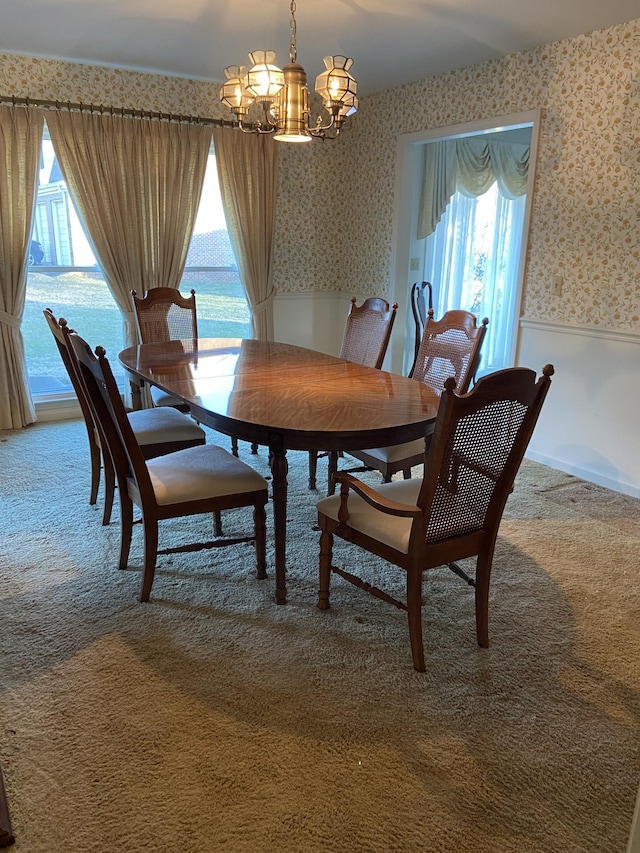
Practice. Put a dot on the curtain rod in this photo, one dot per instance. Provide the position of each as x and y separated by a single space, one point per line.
124 112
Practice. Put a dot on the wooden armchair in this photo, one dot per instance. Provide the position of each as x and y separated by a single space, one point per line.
454 513
365 341
449 347
158 431
205 479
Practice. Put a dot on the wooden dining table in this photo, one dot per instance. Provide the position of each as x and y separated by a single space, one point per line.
285 397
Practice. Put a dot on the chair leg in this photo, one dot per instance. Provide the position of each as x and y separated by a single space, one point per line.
332 469
414 612
260 528
313 467
109 489
150 556
326 555
94 450
406 473
254 449
126 526
217 523
234 445
483 577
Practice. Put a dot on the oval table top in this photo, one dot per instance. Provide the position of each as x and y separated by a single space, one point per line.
253 389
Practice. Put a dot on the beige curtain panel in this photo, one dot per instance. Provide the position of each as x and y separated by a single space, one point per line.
137 184
247 172
20 140
469 165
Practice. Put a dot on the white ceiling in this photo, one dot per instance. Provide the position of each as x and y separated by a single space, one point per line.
391 41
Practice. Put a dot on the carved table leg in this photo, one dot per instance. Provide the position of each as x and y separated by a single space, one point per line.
333 469
313 469
136 393
279 468
6 834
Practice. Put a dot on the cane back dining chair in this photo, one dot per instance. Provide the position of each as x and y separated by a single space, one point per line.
158 431
199 480
365 340
453 512
449 347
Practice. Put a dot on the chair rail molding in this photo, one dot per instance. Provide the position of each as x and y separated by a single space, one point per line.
621 335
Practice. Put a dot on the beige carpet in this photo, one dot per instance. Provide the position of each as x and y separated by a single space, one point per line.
211 719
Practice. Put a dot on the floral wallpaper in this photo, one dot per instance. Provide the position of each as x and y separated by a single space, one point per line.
586 214
336 199
26 77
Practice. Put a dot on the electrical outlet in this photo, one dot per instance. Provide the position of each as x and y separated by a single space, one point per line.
414 264
558 283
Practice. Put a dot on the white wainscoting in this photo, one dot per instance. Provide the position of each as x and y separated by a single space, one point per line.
589 423
313 320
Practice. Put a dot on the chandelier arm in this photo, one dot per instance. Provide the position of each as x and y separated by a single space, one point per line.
322 127
322 133
258 127
253 128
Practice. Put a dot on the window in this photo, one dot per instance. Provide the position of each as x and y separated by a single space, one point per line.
64 276
502 252
211 268
472 259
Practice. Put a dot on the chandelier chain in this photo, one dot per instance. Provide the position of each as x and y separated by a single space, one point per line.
293 54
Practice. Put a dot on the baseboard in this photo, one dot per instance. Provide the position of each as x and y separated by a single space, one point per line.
585 474
57 409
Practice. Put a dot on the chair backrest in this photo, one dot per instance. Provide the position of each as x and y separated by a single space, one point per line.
475 452
56 328
367 331
421 307
109 411
449 347
164 314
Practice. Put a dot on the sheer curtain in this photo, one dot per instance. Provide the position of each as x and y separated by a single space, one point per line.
472 260
247 171
20 139
137 184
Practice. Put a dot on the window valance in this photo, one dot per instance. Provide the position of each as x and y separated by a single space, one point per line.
470 165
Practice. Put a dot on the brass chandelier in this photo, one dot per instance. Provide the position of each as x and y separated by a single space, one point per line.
283 96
